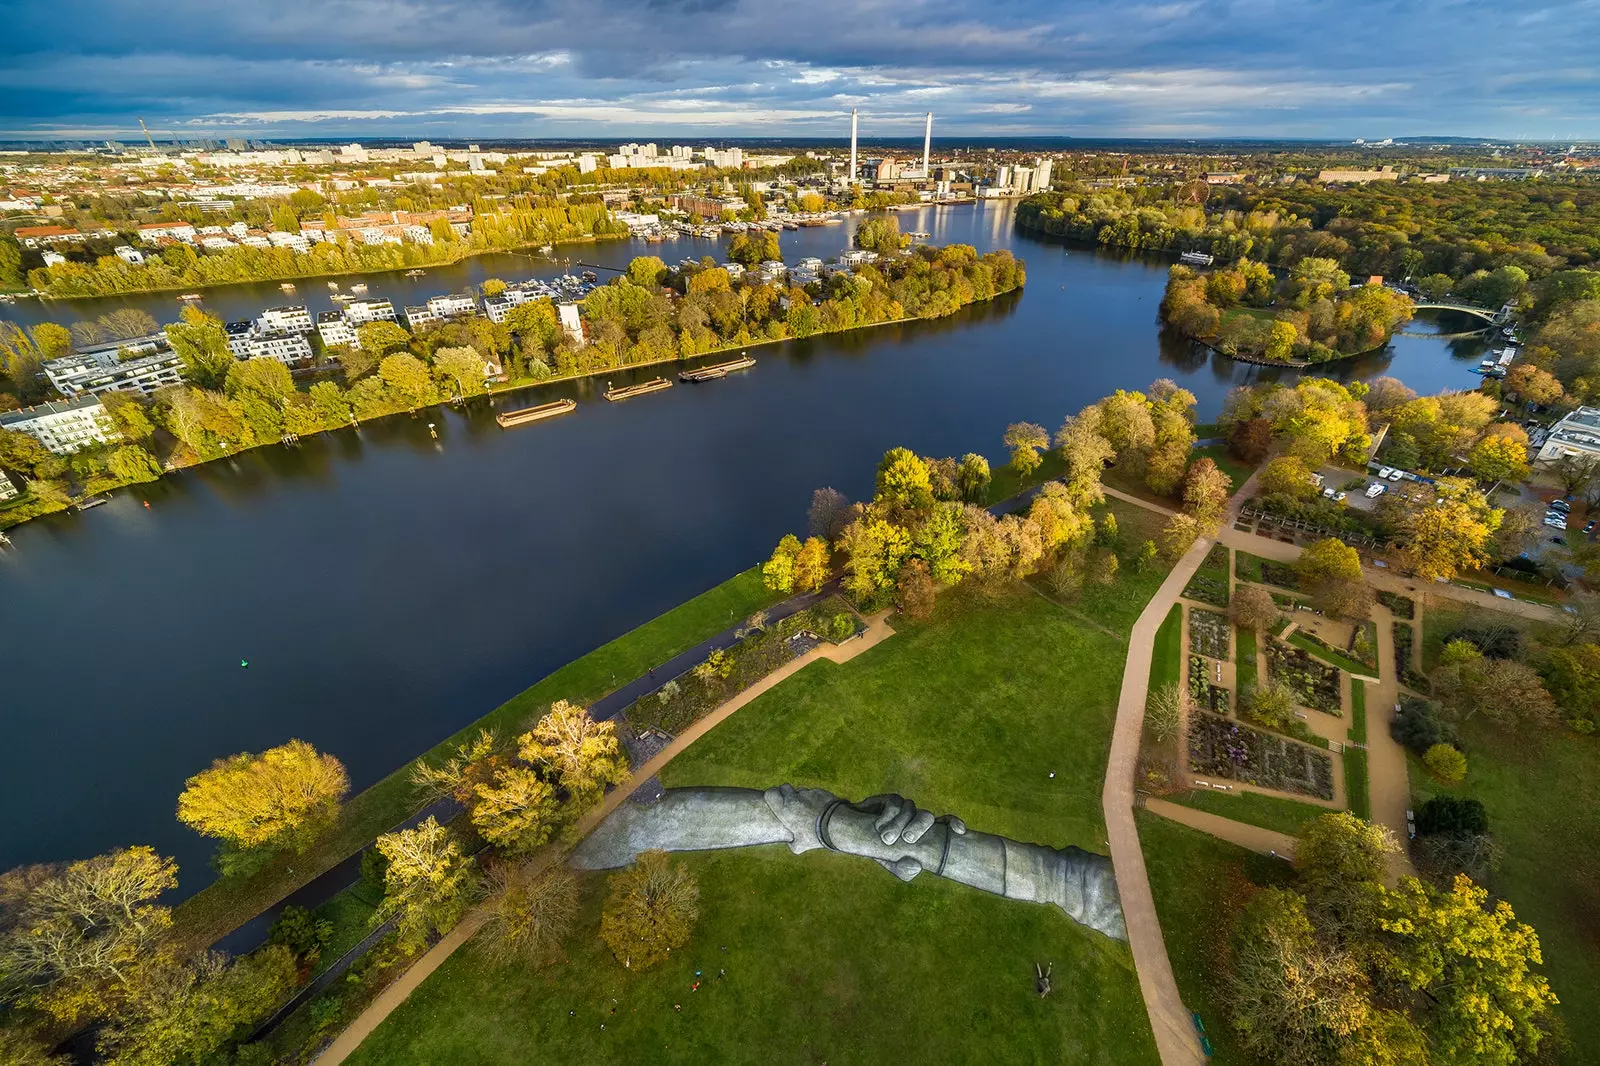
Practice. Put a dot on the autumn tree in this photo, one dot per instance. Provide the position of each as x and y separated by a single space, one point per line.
1446 763
650 910
1085 452
280 798
972 478
777 573
1341 862
874 550
428 883
1330 572
1205 492
1026 440
811 565
1179 535
528 912
1250 439
75 939
583 754
1270 702
1501 454
1253 607
460 370
1505 691
201 342
904 486
1062 526
1533 384
1475 966
829 513
1450 532
914 590
514 809
382 337
407 380
452 776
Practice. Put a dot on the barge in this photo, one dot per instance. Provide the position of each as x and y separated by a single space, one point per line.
720 370
523 416
628 392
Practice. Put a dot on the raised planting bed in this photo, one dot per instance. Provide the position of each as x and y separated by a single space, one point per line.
1210 581
1220 748
1208 633
1315 684
1400 605
1329 654
1204 694
1265 571
1410 676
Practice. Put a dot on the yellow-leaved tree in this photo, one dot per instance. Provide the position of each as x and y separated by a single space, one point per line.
1451 532
583 754
280 798
651 909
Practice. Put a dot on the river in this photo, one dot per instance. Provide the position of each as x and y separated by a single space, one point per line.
388 588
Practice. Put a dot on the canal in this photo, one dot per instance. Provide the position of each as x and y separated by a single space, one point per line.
388 588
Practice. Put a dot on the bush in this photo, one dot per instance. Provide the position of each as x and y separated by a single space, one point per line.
1418 727
1496 642
651 909
1446 763
1452 814
303 933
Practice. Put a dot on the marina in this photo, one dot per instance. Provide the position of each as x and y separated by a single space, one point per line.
628 392
720 370
522 416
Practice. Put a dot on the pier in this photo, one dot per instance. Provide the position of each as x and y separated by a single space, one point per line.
508 419
630 391
720 370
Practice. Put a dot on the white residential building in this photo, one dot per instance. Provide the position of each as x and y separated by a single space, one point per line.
102 369
568 316
1578 434
295 241
239 334
334 330
451 304
8 488
284 320
418 234
360 312
179 231
216 244
290 349
254 240
54 259
129 254
418 316
63 427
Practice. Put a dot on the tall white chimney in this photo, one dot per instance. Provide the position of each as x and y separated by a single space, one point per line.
927 142
851 178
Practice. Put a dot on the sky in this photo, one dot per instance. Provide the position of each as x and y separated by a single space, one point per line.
702 69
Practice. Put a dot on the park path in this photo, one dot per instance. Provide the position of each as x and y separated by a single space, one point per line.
877 631
1253 837
1388 776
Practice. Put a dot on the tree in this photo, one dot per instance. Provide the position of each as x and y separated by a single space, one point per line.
378 339
1250 439
1253 608
78 937
1533 384
1505 691
1179 535
881 233
914 590
1330 571
461 370
778 572
453 777
279 798
972 478
1291 998
128 414
583 753
811 565
18 1048
53 341
651 909
132 465
829 513
1126 423
406 378
1450 533
1086 454
529 912
1446 763
1288 475
1452 814
646 271
202 344
1501 454
21 453
261 388
428 883
22 355
1281 340
515 810
192 1011
904 486
1025 439
1205 492
1165 711
1341 862
1271 703
1575 471
874 549
1475 965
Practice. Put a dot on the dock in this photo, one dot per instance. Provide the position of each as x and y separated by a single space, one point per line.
508 419
630 391
720 370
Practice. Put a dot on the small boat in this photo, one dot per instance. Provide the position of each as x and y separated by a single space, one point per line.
590 276
720 370
334 285
630 391
1197 258
415 273
508 419
358 288
286 286
190 296
341 297
5 541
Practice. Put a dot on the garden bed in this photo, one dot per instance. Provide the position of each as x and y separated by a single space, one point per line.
1265 571
1410 676
1220 748
1202 693
1401 606
1208 633
1315 684
1210 581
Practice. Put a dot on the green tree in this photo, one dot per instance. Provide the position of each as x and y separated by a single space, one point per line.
381 337
972 478
874 549
1446 763
650 910
330 404
1449 533
778 572
1271 703
1330 571
514 809
131 464
582 753
1501 454
1341 862
1281 341
202 344
406 378
21 453
261 388
1085 452
281 797
461 370
881 233
904 486
646 271
428 884
1026 440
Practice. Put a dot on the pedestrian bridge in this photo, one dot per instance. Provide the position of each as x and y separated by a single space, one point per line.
1488 315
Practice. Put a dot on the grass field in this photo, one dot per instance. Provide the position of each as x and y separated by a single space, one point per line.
1357 787
1247 659
1200 884
1165 654
1238 472
1331 656
219 908
1252 808
828 959
1358 711
1542 792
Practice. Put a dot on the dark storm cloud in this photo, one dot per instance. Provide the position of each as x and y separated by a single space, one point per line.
564 67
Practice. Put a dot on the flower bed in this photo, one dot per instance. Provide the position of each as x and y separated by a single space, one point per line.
1220 748
1400 605
1208 633
1265 571
1210 582
1410 677
1315 683
1202 693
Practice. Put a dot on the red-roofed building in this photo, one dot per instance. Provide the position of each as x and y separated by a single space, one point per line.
34 236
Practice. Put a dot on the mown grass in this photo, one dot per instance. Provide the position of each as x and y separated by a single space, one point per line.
1357 789
1165 655
218 909
1238 472
1247 659
827 958
1269 812
1331 656
1358 711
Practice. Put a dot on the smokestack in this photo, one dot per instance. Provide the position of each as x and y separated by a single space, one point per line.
851 178
927 142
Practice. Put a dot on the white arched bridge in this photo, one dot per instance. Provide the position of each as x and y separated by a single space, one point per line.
1489 315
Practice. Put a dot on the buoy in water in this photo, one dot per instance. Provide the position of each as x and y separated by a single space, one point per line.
147 505
244 663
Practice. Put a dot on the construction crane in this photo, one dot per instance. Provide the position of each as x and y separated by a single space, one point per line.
147 136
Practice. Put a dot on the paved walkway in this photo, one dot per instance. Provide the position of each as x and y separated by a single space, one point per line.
877 630
1253 837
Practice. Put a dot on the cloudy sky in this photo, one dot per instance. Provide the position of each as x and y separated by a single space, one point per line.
707 68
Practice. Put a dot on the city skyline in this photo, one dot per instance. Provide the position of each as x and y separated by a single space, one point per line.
708 68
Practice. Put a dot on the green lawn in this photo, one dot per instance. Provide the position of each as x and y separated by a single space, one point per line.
1248 568
1252 808
1006 482
1356 789
219 908
1331 656
1247 659
828 959
1165 654
1542 792
1358 711
1200 884
1238 472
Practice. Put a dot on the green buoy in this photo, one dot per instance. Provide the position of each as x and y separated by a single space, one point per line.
244 662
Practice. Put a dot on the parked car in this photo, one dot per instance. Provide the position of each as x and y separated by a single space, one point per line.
1376 489
1396 475
1560 505
1385 471
1590 527
1328 493
1555 523
1339 497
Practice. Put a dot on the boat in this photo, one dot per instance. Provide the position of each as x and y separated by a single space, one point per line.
628 392
522 417
358 288
1197 258
190 296
286 286
341 297
415 273
334 285
590 276
720 370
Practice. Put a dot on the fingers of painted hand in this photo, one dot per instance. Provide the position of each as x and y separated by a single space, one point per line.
957 826
905 869
920 823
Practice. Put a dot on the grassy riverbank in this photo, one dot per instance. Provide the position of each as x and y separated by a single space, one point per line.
216 910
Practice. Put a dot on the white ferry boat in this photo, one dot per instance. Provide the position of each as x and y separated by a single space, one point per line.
1197 259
